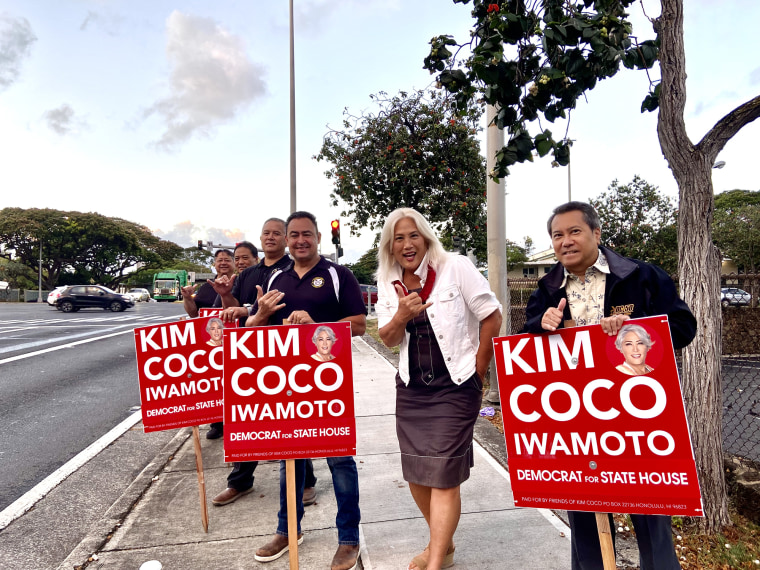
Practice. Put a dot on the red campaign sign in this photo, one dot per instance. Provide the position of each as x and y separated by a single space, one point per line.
593 427
179 368
288 392
210 312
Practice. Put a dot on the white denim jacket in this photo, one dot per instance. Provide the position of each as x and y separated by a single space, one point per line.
461 299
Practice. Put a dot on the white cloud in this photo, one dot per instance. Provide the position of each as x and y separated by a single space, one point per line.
16 39
212 79
62 120
108 23
187 234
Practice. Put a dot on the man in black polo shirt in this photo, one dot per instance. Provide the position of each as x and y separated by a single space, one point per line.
314 290
236 293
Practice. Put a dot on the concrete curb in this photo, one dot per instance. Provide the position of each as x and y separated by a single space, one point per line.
101 532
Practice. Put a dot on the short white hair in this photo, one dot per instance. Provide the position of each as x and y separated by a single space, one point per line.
321 329
638 330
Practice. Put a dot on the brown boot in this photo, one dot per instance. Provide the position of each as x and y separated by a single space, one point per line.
346 557
228 496
275 548
309 496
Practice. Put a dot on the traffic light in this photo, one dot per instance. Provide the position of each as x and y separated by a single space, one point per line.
200 244
335 228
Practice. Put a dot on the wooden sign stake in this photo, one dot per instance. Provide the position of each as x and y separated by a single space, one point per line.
290 477
605 540
201 481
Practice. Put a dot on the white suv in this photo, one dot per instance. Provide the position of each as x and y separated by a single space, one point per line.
54 294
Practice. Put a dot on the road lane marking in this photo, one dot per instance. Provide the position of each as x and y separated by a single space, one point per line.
53 348
31 497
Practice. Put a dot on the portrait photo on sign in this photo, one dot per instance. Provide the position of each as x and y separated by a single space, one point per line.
635 350
324 344
214 329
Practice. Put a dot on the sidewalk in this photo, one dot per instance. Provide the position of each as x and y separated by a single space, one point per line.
164 523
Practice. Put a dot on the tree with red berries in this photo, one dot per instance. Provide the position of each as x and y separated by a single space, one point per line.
412 150
533 60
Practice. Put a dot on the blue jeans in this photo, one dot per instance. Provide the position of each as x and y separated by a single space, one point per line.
346 486
241 477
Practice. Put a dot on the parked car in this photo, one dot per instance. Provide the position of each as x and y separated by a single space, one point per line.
92 296
369 291
139 294
734 296
54 294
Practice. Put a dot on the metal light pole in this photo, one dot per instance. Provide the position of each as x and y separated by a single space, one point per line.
39 278
292 117
569 179
496 239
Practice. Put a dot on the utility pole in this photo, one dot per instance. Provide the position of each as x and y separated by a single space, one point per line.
292 116
39 278
496 239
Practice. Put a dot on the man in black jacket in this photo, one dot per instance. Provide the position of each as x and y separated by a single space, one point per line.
590 285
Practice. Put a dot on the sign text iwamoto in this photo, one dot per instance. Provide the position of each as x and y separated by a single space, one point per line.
179 368
586 433
281 401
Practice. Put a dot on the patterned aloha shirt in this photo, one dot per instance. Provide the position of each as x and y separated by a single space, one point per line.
586 296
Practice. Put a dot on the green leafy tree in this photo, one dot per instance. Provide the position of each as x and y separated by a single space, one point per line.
91 246
737 228
190 259
415 151
528 245
516 254
534 60
18 275
194 259
365 267
638 221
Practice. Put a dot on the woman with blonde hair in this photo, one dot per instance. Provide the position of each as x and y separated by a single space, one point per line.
441 311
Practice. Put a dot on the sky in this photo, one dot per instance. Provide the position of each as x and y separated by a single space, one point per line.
174 114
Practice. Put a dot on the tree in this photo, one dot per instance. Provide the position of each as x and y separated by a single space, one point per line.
18 275
737 228
194 259
414 151
366 266
638 221
190 259
517 254
558 50
97 248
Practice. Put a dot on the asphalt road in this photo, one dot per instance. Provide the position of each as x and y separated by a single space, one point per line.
54 401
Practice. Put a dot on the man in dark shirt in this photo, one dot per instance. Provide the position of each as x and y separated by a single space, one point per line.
314 290
591 285
237 292
205 296
226 263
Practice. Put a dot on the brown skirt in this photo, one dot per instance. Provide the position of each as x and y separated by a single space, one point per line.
434 424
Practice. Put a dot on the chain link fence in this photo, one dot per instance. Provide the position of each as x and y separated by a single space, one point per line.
740 361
